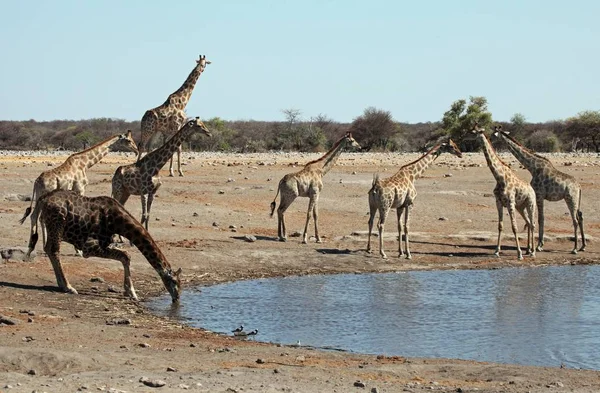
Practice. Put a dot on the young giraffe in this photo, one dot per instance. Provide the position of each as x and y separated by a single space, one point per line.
170 116
142 178
510 192
308 182
71 175
89 224
549 184
398 192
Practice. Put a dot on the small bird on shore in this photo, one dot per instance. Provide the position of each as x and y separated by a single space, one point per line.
238 330
246 334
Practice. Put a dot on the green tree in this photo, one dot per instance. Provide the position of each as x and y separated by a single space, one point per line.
517 122
458 121
86 138
584 130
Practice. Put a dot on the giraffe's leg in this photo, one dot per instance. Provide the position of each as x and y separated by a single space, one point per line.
311 207
52 248
500 225
572 210
513 222
540 208
399 212
144 220
406 222
527 215
316 219
179 161
150 200
380 226
93 249
372 210
580 221
122 196
284 203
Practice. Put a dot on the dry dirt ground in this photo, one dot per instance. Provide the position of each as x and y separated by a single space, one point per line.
67 344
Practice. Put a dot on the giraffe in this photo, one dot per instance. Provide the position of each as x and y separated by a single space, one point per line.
308 182
89 224
71 175
510 192
142 177
170 116
549 184
398 191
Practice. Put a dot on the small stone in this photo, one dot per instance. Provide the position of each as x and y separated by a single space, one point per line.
374 390
360 384
112 289
30 320
144 345
443 219
193 345
7 321
96 279
276 371
300 358
260 361
215 224
195 214
448 175
153 383
232 227
230 180
250 238
173 224
157 219
221 192
295 234
119 321
183 386
32 372
171 369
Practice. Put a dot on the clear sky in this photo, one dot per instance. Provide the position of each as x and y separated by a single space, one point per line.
81 59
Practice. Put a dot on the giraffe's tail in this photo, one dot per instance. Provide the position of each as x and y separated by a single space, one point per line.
375 183
28 210
33 238
274 204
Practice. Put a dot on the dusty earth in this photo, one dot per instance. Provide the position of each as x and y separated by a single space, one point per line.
65 343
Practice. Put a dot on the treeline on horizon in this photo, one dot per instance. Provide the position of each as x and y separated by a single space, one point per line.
375 129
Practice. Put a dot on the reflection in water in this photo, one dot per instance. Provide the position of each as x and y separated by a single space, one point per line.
539 316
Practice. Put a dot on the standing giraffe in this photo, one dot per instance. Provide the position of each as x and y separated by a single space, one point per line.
170 116
89 224
142 178
71 174
510 192
398 192
308 182
550 184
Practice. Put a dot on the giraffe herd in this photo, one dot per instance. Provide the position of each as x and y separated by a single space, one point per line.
64 214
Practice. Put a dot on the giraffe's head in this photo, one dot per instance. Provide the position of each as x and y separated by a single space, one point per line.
172 281
198 126
202 62
498 130
351 142
478 132
125 142
450 147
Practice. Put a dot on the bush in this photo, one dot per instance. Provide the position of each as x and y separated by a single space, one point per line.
543 141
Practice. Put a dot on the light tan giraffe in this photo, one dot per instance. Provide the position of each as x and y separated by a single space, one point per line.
170 116
142 178
512 193
549 184
308 182
398 192
71 174
89 224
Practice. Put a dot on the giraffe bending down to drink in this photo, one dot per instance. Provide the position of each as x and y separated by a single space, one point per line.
510 192
170 116
549 184
398 192
89 224
308 182
71 175
142 177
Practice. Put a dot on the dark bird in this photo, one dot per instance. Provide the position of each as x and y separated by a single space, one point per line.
238 330
246 334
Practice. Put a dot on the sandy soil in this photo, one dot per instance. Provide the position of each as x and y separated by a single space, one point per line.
63 343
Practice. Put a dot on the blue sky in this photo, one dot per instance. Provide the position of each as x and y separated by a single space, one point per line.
115 58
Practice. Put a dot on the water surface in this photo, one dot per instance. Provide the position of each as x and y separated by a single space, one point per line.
533 316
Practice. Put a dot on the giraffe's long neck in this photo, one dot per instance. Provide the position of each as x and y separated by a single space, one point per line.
181 96
494 163
330 158
140 238
527 158
94 154
418 167
156 159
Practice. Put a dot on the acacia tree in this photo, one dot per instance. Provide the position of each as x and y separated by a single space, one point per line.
458 121
375 128
584 130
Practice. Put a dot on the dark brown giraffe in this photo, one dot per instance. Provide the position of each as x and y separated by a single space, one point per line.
89 224
170 116
549 184
398 192
142 178
511 193
308 182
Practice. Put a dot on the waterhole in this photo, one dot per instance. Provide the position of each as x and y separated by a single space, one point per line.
547 316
